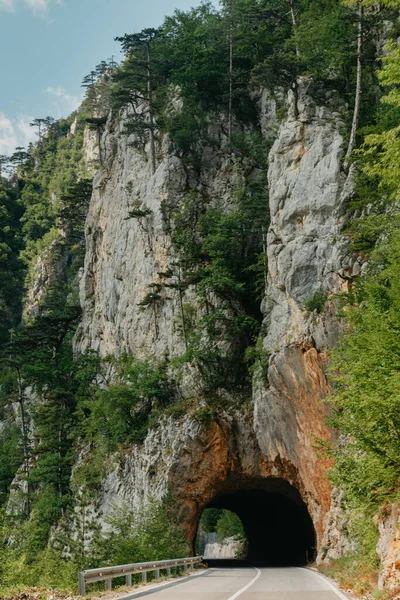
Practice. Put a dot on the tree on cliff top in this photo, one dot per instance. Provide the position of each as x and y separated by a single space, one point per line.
135 83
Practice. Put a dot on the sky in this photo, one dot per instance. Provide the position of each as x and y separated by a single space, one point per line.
48 46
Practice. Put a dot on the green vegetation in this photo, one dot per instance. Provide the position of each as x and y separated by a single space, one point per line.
11 266
365 366
229 525
134 536
225 523
123 412
195 81
218 254
316 302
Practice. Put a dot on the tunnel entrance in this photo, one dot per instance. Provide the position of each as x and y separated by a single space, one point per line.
276 522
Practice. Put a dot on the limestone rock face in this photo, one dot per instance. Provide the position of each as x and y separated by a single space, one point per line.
275 436
51 264
226 549
49 269
389 546
305 255
125 254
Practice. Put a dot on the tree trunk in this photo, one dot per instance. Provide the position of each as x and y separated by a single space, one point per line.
99 145
295 89
294 21
295 83
151 114
25 445
182 310
264 243
155 319
357 103
230 81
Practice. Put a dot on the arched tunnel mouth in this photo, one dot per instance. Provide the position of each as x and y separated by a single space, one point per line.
277 525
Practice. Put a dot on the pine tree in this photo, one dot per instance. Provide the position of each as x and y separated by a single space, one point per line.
135 83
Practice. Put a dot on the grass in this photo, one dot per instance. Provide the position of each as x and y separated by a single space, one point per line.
358 575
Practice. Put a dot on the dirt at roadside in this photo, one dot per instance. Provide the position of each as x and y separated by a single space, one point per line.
40 594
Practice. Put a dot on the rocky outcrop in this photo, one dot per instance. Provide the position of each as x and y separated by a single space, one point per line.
51 264
228 548
389 547
306 258
49 268
124 255
276 437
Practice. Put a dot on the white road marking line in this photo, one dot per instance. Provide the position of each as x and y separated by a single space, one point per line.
337 592
246 587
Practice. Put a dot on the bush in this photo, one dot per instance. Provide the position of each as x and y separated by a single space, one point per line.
229 525
120 414
152 533
316 302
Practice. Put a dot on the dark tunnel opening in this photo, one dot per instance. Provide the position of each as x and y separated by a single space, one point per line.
276 522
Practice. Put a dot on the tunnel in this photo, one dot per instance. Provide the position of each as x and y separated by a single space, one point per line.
276 522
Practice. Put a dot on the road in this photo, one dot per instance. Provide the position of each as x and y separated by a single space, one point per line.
252 584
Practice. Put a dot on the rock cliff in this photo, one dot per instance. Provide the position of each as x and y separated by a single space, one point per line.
275 435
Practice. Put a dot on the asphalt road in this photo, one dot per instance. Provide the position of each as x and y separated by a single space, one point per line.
252 584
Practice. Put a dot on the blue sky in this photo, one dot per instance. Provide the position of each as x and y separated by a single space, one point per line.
48 46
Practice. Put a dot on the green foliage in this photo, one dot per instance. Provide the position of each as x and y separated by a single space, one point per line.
189 79
73 207
121 413
130 80
358 570
197 58
11 267
224 522
365 367
257 359
40 357
205 414
327 37
382 149
219 254
153 533
11 457
229 525
51 171
316 302
209 519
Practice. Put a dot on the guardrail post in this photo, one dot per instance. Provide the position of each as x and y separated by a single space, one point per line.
82 585
168 571
157 573
144 577
129 580
185 568
108 585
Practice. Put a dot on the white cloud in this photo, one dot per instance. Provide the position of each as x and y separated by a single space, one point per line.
16 132
8 139
65 103
38 7
7 5
25 133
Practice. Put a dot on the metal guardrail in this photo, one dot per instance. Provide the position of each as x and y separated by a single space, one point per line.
107 574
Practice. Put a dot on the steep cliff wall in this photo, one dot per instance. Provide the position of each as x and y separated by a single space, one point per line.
307 259
275 436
